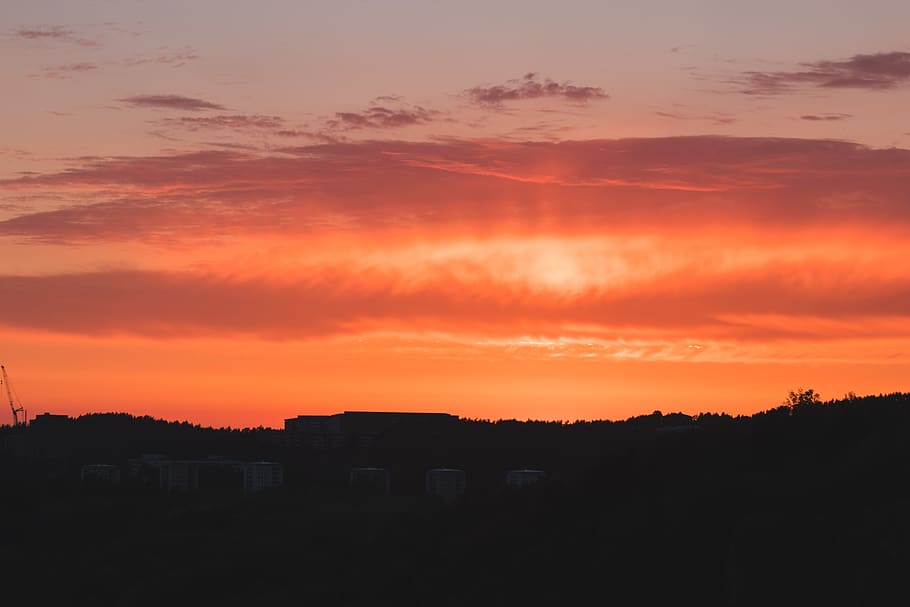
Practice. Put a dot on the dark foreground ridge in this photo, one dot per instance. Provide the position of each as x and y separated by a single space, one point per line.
805 504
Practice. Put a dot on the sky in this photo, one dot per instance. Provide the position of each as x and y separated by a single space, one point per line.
237 212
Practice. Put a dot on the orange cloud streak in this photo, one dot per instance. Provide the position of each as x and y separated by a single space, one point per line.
475 275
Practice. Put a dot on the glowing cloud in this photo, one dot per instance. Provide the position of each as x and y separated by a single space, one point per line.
666 184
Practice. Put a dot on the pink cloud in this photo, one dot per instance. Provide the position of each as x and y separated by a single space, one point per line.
172 58
715 118
171 102
66 71
475 185
55 33
239 122
530 86
877 71
825 117
380 117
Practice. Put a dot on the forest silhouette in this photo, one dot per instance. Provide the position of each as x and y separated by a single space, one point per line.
806 503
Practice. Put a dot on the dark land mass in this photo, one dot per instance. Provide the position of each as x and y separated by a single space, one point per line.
806 504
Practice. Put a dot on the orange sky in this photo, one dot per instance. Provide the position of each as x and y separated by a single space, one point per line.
179 239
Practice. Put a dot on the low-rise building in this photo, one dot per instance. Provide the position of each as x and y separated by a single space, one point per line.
523 478
446 483
100 474
214 473
178 475
376 481
260 476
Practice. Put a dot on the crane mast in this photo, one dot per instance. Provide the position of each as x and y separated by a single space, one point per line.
4 379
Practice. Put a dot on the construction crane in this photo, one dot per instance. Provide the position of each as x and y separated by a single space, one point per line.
4 379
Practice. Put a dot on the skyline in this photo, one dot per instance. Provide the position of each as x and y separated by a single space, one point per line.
252 212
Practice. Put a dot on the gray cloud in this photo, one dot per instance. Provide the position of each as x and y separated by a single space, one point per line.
715 118
52 33
381 117
825 117
530 86
65 71
171 102
232 121
877 71
172 58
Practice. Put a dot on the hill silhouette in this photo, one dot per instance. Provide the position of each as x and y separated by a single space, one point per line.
806 503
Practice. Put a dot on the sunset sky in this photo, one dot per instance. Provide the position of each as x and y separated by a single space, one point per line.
237 212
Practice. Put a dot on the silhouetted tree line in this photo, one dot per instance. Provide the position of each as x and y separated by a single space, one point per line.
807 503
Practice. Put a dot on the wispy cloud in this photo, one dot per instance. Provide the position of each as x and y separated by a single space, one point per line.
319 136
240 122
531 86
382 117
66 71
172 58
371 185
171 102
718 118
877 71
825 117
53 33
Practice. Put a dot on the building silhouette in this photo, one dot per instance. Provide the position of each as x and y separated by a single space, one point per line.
351 428
100 474
213 473
376 481
446 483
523 478
260 476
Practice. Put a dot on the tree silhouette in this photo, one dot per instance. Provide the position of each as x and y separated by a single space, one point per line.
802 397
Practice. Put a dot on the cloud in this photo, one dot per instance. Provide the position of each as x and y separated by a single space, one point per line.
530 86
174 59
543 130
715 118
825 117
55 33
66 71
318 136
672 183
172 102
878 71
779 301
171 58
692 239
230 121
381 117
